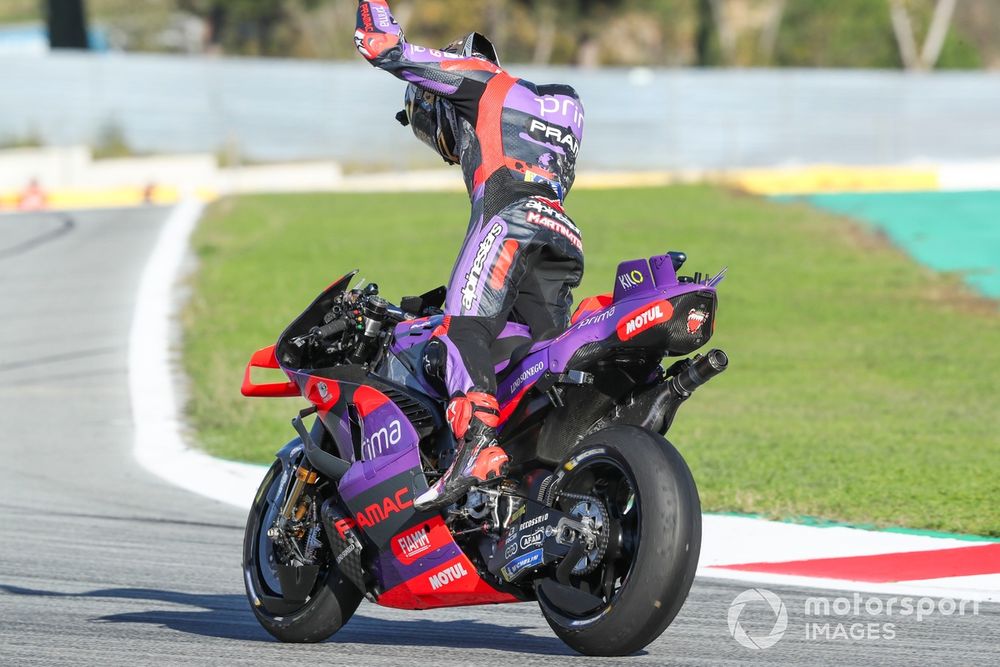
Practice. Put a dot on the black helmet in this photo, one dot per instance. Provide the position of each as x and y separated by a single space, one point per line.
432 118
474 45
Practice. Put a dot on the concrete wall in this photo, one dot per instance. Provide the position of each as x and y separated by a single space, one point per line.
637 119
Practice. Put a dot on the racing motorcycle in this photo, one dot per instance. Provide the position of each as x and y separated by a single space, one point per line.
598 519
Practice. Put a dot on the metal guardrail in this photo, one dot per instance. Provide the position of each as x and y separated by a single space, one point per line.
637 119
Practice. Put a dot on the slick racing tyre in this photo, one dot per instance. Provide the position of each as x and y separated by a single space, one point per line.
652 528
329 604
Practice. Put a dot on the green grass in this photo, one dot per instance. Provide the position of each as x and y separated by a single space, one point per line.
862 387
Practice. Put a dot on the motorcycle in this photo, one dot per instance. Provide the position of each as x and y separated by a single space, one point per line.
598 518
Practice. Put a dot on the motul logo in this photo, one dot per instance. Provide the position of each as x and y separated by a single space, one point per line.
447 576
640 321
645 318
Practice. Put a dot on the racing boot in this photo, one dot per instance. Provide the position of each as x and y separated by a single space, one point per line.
473 419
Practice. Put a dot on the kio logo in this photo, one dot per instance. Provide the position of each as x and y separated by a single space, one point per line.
756 596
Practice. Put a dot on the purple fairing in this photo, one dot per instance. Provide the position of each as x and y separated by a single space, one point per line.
386 431
414 332
554 355
409 335
633 278
514 330
364 475
524 374
664 274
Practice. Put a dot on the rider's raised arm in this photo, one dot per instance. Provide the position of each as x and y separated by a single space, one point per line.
380 40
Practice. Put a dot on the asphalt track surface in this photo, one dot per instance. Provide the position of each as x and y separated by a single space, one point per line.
102 563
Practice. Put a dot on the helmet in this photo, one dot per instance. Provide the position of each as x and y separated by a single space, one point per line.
432 118
474 45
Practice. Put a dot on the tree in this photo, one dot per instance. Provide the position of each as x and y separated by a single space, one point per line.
67 23
243 26
745 31
902 27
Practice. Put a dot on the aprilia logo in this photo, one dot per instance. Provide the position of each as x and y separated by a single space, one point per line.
645 318
446 576
475 276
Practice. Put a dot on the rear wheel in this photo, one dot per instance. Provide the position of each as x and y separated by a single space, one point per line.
331 599
650 541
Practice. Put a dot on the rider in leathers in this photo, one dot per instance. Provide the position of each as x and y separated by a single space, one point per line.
517 144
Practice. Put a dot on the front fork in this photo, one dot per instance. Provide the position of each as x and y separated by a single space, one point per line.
304 476
307 473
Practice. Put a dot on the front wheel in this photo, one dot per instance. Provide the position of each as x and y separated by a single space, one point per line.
652 529
330 602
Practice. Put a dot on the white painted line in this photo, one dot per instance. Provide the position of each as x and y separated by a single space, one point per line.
984 590
159 442
730 540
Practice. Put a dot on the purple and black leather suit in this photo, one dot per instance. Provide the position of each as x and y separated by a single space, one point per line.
517 145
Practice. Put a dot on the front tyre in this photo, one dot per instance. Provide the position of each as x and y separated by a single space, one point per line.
332 600
654 539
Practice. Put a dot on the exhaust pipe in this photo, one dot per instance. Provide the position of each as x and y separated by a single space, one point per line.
695 372
655 409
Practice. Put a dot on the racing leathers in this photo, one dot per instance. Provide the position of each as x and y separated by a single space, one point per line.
517 144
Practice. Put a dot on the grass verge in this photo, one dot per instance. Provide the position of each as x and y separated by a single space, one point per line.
862 387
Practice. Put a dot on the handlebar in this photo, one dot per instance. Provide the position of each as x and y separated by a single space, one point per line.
328 330
390 313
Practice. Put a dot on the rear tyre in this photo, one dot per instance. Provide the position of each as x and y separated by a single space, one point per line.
332 600
654 539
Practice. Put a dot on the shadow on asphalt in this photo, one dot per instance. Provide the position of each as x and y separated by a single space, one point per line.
229 617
